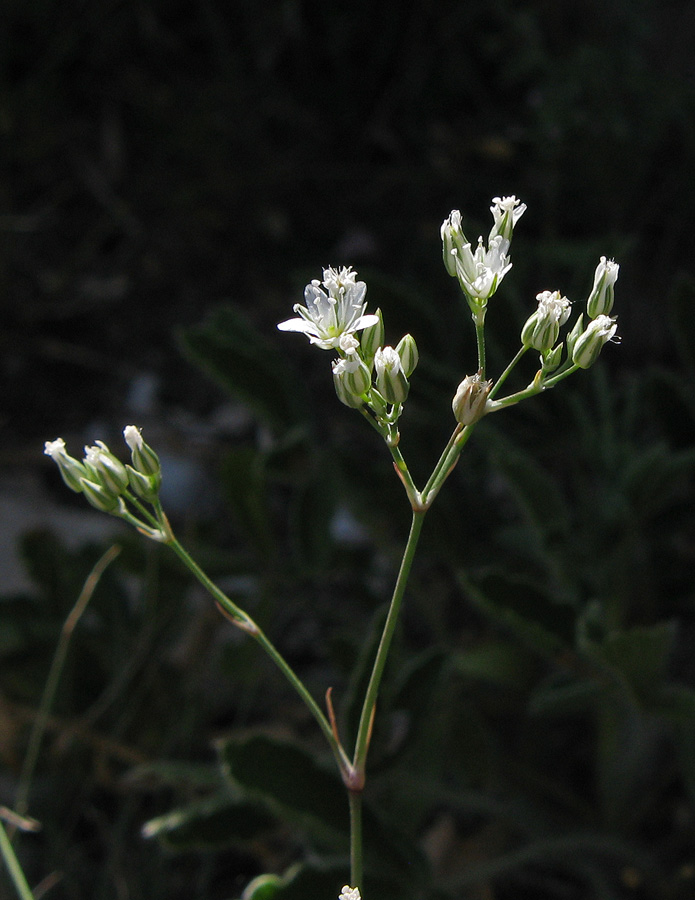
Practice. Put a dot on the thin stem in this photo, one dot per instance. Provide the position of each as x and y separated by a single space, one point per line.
480 340
243 621
13 866
39 727
446 464
503 377
355 798
364 729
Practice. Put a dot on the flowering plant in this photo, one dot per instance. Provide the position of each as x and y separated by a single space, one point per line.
373 377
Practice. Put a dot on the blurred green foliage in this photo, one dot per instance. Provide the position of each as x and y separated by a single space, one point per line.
535 737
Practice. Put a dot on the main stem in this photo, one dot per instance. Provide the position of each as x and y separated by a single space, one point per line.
364 729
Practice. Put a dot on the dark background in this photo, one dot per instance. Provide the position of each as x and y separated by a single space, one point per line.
162 161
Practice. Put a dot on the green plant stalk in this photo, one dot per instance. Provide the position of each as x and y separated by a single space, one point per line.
480 341
49 692
243 621
355 800
503 377
13 866
368 707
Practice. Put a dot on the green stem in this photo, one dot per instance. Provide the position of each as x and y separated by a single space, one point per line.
355 798
480 340
503 377
243 621
446 463
364 729
13 866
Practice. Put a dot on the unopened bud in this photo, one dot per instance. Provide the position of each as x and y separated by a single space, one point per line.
144 486
551 360
99 497
371 339
72 471
453 240
542 328
590 343
391 380
145 460
600 301
352 379
407 350
470 399
105 469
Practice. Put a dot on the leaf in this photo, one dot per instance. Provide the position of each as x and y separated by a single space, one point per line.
497 662
545 627
290 781
215 822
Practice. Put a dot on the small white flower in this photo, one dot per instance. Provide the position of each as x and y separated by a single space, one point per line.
132 436
349 344
480 273
542 328
55 449
328 317
350 893
506 212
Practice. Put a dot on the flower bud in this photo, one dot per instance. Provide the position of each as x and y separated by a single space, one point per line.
542 328
600 301
589 344
391 380
99 497
470 399
371 339
146 487
105 469
71 470
144 459
453 240
551 360
352 380
407 350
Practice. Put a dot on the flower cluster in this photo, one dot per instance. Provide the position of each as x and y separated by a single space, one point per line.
112 486
480 272
367 373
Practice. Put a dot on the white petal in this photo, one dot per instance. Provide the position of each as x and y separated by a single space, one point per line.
298 325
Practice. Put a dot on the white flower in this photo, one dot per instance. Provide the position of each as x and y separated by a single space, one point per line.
329 317
55 449
391 381
506 212
480 273
350 893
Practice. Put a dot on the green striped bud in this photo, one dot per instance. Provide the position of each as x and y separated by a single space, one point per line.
542 328
352 379
391 380
71 470
99 497
371 339
600 301
105 469
590 343
144 486
145 460
407 350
